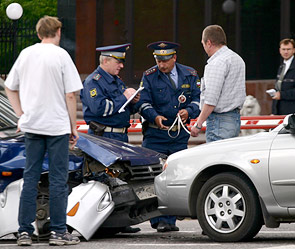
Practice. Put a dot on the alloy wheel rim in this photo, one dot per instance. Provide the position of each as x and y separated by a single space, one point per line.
225 208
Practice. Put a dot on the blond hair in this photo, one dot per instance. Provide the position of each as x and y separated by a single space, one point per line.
47 26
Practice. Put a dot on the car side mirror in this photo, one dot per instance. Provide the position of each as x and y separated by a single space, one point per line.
289 123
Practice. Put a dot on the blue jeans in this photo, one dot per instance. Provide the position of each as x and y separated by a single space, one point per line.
58 155
223 125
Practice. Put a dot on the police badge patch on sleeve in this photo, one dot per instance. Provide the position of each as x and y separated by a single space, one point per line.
93 93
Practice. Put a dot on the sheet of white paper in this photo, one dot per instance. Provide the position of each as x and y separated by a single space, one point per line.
128 100
271 92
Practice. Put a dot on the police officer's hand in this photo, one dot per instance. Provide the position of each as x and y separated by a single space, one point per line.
158 121
136 98
183 113
129 92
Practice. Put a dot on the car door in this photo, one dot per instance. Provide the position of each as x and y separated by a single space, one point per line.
282 168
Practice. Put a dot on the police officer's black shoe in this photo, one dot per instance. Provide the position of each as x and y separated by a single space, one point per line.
163 227
130 230
174 228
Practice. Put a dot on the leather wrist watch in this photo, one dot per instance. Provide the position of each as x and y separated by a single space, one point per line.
200 128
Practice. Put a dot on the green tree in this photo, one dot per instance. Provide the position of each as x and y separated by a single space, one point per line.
32 9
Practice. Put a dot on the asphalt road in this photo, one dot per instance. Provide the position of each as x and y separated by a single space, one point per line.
188 237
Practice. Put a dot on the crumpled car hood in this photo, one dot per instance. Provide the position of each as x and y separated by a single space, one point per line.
108 151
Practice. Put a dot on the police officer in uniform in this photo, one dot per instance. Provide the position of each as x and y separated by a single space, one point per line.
105 93
170 97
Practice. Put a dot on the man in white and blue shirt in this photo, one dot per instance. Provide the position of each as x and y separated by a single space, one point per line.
223 89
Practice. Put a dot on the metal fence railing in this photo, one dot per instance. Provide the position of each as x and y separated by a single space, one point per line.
14 36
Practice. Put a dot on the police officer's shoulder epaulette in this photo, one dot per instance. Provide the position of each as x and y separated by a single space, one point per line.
96 76
192 71
150 71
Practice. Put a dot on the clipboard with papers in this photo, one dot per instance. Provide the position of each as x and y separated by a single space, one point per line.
122 109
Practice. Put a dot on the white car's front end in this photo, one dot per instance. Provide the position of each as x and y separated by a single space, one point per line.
233 186
175 186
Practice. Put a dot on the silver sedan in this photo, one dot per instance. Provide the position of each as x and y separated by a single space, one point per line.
233 186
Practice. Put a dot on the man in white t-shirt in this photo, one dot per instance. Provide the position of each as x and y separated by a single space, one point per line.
41 87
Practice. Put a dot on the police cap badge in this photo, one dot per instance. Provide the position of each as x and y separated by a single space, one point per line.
163 50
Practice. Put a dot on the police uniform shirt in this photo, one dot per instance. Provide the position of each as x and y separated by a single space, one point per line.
102 97
160 98
174 76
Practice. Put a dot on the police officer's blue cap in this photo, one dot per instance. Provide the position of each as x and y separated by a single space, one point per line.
116 51
163 50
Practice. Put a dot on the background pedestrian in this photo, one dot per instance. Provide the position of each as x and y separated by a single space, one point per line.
284 97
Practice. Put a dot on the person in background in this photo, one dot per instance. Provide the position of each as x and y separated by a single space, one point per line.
284 97
169 100
105 93
223 89
41 87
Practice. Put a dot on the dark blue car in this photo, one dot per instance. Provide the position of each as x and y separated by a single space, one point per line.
125 171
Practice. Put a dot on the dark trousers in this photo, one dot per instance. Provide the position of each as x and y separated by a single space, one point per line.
160 141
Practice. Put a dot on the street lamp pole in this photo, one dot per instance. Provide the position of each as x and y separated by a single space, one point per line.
14 33
14 12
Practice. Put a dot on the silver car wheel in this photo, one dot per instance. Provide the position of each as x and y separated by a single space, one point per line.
225 208
228 208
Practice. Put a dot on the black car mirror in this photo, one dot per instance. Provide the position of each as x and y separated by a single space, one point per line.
289 123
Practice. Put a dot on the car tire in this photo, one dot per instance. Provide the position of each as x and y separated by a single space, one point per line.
228 208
